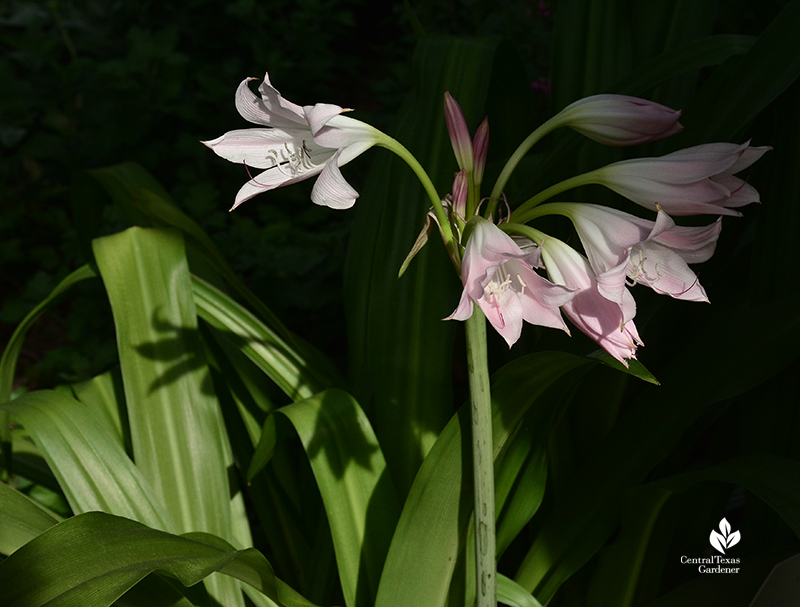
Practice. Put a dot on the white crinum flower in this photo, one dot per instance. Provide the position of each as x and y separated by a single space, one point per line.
295 143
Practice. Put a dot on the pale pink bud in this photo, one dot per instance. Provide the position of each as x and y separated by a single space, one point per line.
459 133
480 147
620 120
460 187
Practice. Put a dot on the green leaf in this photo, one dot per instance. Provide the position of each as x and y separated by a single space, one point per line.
266 349
526 492
245 394
619 566
8 363
147 204
591 49
177 431
687 57
360 500
726 590
433 525
635 368
511 593
23 519
92 559
105 395
770 477
87 458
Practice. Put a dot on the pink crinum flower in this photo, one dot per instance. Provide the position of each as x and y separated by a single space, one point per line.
620 120
624 248
695 181
296 143
498 275
606 322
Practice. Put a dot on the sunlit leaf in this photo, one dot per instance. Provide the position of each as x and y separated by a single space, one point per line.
177 431
91 559
360 500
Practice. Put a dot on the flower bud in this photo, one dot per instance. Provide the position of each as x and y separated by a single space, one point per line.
480 146
620 120
460 187
459 133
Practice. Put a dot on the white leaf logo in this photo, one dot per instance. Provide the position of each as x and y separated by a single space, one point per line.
725 539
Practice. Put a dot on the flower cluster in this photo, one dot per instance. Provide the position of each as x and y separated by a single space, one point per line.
621 250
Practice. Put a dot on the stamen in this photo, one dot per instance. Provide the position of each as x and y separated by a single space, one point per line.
743 183
247 168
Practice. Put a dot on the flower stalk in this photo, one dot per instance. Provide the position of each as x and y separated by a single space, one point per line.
482 461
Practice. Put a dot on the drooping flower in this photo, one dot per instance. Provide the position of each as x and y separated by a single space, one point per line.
498 275
606 322
620 120
624 248
297 143
694 181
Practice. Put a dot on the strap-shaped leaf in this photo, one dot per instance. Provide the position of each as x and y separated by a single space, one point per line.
770 477
87 458
147 204
739 91
105 395
360 500
511 593
23 519
177 431
8 363
265 348
92 559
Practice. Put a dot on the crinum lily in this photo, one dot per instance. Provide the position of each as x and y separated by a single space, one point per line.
297 143
623 248
498 275
606 322
694 181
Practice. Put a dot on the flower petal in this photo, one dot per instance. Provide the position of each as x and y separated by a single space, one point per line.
276 103
266 111
666 272
331 189
602 320
265 148
318 115
342 131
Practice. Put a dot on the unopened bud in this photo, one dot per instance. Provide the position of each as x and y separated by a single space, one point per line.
620 120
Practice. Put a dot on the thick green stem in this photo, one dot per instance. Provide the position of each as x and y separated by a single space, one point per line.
482 461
